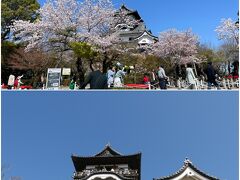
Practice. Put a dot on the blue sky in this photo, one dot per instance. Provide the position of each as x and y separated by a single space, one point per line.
40 131
202 16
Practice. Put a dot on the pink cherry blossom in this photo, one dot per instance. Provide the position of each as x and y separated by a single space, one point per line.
228 30
178 46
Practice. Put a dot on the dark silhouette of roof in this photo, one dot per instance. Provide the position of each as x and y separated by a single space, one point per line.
131 12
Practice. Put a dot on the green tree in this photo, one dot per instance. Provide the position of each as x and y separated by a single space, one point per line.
208 54
83 50
7 50
12 10
229 55
16 10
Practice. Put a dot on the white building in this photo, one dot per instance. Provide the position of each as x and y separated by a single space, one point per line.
135 34
112 165
188 172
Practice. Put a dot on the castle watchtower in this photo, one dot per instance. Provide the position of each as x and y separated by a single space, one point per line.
132 28
108 165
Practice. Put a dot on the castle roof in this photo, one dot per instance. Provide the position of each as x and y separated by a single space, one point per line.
108 151
183 171
147 33
131 12
108 156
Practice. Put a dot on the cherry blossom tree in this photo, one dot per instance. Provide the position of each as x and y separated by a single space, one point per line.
179 47
63 22
96 15
228 30
95 28
56 27
105 36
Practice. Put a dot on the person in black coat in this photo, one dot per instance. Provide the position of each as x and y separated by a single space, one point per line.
96 79
211 76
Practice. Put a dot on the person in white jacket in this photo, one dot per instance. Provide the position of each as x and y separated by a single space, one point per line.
118 80
11 80
110 74
190 77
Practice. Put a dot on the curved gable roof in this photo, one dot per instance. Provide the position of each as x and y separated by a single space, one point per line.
108 151
148 33
187 164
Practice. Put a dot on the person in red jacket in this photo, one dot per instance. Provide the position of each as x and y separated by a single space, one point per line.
146 79
18 82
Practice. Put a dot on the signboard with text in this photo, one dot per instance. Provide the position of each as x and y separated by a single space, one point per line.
66 71
53 78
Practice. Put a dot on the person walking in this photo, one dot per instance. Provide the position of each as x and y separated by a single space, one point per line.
96 79
110 75
190 77
162 78
11 81
211 76
118 80
153 78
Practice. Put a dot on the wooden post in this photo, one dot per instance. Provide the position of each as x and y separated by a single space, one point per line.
232 83
224 84
149 86
228 84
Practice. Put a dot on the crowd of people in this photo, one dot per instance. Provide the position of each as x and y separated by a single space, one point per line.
113 79
209 74
14 82
156 79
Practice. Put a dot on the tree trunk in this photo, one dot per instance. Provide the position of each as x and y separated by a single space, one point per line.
37 81
91 65
80 70
105 64
229 67
60 60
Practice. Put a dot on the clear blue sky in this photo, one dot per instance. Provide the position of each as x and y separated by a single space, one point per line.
203 16
40 131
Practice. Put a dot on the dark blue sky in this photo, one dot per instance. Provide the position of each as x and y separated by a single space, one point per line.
202 16
40 131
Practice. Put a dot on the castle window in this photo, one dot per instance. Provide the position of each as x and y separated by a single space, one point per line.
123 27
